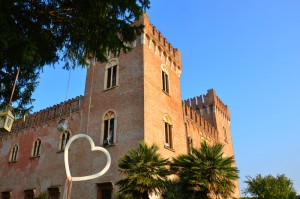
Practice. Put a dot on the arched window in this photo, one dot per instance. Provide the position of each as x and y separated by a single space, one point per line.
14 153
225 134
168 132
111 74
64 137
165 79
35 151
109 128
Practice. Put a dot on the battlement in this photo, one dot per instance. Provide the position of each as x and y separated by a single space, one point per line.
193 115
56 111
208 102
155 41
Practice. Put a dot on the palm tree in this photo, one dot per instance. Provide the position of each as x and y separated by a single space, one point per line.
144 172
206 172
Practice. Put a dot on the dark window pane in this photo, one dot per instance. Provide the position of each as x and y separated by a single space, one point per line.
111 131
28 194
34 150
104 191
62 144
170 136
5 195
166 133
105 132
15 152
106 194
167 83
68 137
114 76
53 193
163 79
38 147
108 78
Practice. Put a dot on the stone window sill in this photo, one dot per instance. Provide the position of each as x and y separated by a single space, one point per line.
109 145
165 92
34 157
60 151
171 149
110 88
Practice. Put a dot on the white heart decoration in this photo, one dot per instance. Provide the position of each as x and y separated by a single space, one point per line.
93 148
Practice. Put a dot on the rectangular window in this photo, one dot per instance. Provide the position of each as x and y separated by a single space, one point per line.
108 131
29 194
168 135
14 153
111 80
53 193
165 81
5 195
104 191
36 148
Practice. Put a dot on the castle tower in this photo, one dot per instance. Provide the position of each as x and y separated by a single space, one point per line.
141 89
163 111
136 97
210 107
208 116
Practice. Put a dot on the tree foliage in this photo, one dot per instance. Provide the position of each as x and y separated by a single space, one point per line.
265 187
144 172
25 87
35 33
205 172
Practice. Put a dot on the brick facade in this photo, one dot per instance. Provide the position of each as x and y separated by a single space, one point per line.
139 107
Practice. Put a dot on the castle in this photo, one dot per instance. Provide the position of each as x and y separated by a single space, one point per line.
132 98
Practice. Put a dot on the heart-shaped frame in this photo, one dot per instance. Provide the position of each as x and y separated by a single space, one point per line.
93 148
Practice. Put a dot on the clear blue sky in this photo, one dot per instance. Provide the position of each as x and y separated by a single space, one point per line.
249 52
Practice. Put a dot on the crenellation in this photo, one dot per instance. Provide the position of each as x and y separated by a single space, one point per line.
209 103
222 107
50 113
160 43
192 115
193 103
199 101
